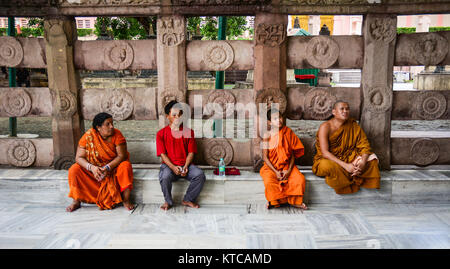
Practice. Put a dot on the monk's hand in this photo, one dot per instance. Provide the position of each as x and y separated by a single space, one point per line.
350 168
279 174
285 174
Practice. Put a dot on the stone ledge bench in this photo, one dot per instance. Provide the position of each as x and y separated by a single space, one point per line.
397 186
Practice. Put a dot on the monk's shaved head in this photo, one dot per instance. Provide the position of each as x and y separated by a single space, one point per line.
338 102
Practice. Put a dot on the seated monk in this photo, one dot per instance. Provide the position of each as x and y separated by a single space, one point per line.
102 173
282 180
176 145
344 156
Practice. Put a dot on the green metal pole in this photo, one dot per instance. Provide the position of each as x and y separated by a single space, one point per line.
12 79
220 75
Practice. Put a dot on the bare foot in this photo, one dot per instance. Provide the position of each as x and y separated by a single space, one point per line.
128 205
73 206
166 206
190 204
302 206
268 205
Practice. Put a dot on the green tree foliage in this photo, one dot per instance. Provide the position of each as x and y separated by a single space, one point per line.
121 28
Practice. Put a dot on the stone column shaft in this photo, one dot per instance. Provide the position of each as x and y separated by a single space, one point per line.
380 33
270 69
60 34
171 62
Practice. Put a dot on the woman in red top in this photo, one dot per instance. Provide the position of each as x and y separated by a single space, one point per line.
176 146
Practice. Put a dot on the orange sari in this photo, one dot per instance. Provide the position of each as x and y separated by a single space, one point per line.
281 147
83 185
347 143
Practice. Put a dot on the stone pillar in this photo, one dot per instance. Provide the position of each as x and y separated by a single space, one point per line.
171 62
380 32
270 69
64 83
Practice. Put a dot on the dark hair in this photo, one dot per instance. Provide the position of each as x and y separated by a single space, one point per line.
169 106
272 111
99 119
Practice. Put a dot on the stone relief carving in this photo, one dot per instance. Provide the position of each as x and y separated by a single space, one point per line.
378 99
58 33
325 2
171 31
430 105
218 55
16 102
119 55
219 2
118 103
218 148
322 52
270 34
11 51
21 153
319 103
107 2
67 104
64 163
168 95
424 151
271 96
383 29
431 49
225 99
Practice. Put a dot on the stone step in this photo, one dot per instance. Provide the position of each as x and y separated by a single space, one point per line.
397 186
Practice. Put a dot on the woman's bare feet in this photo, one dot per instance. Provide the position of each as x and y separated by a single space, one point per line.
190 204
73 206
128 205
166 206
302 206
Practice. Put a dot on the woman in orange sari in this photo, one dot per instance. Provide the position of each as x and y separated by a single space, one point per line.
102 173
284 183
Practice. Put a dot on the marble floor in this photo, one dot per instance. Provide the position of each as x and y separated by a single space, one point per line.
385 226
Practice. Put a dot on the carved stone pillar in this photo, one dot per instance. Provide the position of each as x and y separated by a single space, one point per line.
171 62
63 80
270 69
380 32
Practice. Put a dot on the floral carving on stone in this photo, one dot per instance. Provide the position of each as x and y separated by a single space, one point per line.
119 55
378 99
431 49
171 31
67 103
271 96
430 105
322 52
218 55
383 29
64 163
16 102
118 103
168 95
217 148
11 51
270 34
21 153
319 103
424 151
225 101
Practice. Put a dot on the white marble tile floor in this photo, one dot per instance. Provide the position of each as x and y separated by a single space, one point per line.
247 226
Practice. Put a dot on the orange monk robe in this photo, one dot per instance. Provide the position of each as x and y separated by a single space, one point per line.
347 143
83 185
281 148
